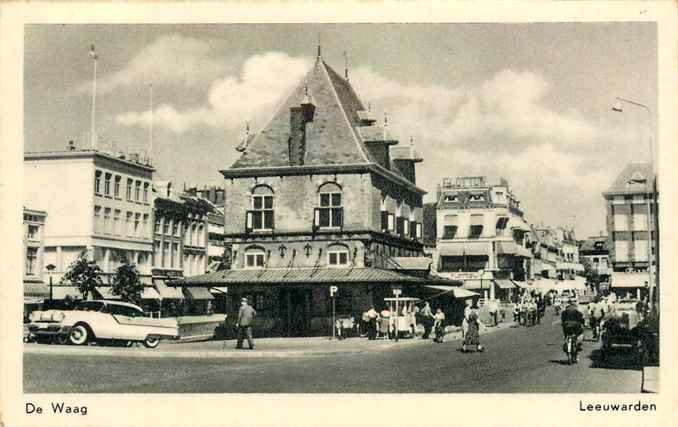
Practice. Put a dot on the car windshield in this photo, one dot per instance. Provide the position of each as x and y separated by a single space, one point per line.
89 306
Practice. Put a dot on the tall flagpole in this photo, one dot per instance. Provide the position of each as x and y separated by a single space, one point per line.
93 138
150 125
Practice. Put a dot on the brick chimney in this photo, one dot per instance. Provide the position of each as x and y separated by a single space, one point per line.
299 116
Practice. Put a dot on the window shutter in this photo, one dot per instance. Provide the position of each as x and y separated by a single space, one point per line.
391 222
384 220
419 230
248 222
316 218
400 226
413 229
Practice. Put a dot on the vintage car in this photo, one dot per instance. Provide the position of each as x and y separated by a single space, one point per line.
102 321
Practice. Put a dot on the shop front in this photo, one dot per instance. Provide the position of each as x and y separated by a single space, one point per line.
298 301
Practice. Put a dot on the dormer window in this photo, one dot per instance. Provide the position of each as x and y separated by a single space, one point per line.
337 256
476 198
451 198
255 258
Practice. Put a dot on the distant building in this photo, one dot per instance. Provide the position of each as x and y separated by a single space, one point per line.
629 242
594 253
35 290
556 259
97 203
481 235
215 223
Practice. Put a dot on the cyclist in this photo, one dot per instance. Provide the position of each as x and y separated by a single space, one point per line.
572 322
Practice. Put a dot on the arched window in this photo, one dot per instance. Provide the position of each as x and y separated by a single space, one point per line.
260 217
330 211
255 257
337 256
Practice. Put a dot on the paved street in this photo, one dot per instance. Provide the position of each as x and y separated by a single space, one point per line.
517 360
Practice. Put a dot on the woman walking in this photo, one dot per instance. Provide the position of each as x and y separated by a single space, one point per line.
472 336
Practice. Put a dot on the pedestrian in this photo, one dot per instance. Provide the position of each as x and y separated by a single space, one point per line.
472 336
244 323
372 323
493 308
438 325
427 319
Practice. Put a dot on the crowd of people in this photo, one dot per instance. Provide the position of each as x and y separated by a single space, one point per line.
529 309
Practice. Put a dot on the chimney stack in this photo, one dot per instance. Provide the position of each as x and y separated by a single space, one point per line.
299 116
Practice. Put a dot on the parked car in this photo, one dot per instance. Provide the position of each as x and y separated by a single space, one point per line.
102 320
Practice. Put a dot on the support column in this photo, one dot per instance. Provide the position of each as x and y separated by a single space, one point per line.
107 260
59 260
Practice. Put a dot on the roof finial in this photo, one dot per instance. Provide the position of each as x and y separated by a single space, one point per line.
385 125
247 129
369 107
346 66
411 141
319 52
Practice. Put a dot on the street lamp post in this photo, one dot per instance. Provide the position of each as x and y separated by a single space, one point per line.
50 268
650 192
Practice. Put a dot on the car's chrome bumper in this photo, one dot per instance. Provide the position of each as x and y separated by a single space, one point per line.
48 329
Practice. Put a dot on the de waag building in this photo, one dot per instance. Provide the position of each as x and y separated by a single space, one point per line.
321 197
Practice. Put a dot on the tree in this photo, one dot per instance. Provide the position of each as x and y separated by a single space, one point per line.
226 258
85 274
126 283
591 274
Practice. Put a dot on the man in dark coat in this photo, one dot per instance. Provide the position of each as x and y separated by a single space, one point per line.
244 323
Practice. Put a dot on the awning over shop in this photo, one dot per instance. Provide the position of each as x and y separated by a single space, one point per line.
33 300
198 293
219 290
521 284
106 292
546 285
167 292
476 248
512 248
628 280
36 290
457 291
504 283
61 292
478 284
150 293
576 283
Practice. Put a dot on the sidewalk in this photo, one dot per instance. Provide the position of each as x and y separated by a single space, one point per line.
650 381
264 347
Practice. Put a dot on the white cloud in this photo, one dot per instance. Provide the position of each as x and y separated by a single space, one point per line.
232 100
170 59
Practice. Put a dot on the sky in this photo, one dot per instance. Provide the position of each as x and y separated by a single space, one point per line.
527 102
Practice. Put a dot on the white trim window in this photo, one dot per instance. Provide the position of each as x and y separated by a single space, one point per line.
255 258
261 216
330 213
337 256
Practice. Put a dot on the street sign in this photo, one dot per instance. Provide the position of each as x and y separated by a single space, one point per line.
397 292
333 290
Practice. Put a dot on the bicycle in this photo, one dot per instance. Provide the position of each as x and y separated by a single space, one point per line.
571 349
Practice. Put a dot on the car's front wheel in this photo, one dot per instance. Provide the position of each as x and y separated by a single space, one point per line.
79 335
151 342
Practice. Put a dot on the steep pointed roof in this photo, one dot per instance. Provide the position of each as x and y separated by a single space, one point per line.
634 178
332 138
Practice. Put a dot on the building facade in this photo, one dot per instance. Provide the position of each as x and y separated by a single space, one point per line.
35 290
481 235
98 203
594 254
631 228
321 197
